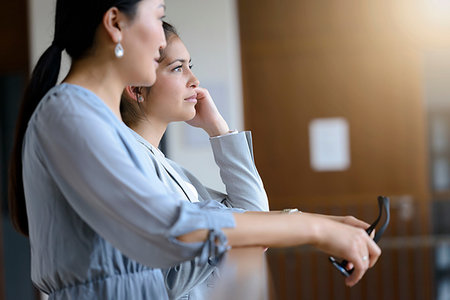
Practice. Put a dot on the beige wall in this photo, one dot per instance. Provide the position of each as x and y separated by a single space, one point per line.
210 31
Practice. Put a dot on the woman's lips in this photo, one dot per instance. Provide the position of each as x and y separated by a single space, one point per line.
192 99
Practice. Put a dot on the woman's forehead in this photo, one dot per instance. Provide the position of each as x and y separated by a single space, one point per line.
175 50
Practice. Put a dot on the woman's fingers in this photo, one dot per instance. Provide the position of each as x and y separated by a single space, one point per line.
200 93
352 244
350 220
374 253
207 116
360 268
365 257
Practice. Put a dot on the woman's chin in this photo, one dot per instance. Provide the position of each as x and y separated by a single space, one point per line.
189 117
151 79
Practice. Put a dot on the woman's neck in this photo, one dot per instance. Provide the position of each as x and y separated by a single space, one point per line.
151 131
101 78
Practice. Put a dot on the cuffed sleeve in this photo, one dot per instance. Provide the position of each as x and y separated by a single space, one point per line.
112 188
233 154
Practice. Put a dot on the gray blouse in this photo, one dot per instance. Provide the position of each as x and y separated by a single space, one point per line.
233 154
101 222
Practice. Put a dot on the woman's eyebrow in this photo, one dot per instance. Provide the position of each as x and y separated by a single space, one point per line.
179 60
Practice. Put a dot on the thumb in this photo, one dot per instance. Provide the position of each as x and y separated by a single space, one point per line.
201 92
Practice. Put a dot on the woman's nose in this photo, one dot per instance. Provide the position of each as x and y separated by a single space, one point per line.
193 82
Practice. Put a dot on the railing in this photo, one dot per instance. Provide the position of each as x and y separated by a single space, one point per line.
410 268
413 265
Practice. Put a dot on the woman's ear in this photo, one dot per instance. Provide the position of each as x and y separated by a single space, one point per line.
135 93
114 22
131 92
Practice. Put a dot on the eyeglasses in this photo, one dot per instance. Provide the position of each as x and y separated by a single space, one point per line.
383 205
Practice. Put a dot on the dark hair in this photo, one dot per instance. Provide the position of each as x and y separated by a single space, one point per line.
169 31
77 38
130 109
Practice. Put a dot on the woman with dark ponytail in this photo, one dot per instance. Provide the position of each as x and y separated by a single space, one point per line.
100 223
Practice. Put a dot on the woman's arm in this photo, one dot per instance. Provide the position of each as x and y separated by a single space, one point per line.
284 230
244 187
233 154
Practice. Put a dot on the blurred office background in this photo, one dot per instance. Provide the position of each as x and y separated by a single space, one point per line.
346 100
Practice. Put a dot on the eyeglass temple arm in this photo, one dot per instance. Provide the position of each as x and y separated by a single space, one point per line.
383 201
380 212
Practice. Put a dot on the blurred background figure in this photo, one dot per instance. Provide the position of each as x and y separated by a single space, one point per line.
346 101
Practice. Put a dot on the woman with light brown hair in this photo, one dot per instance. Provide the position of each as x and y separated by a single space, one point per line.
176 96
100 222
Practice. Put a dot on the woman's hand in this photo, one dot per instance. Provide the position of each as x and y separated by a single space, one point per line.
349 220
207 116
350 243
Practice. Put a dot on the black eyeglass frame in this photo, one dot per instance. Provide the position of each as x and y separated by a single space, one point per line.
383 202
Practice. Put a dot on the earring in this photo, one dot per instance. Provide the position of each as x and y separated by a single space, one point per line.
118 50
138 92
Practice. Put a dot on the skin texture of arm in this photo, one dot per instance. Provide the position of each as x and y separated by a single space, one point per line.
284 230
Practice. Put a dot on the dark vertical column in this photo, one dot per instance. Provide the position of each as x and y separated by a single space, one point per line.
16 250
2 192
15 280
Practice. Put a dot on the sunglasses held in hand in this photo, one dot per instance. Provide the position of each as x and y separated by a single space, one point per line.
383 205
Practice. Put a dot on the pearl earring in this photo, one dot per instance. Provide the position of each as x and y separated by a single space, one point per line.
118 50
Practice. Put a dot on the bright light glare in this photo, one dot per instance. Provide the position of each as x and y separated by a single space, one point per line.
438 12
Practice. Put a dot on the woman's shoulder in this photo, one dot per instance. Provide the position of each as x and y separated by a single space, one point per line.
71 98
66 102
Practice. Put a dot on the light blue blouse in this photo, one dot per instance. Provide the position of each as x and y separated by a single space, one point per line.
101 223
233 154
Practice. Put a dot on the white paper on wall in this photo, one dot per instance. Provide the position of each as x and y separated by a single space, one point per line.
329 142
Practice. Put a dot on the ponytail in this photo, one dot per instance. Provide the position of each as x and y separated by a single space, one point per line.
43 78
77 39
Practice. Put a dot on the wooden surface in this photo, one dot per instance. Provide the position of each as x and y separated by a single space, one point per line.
358 60
304 60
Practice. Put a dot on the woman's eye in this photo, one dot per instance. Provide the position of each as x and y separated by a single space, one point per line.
191 66
178 69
